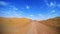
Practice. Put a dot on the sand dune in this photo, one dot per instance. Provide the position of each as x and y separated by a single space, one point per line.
29 26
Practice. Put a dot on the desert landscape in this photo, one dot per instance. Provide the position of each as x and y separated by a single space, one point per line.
29 16
29 26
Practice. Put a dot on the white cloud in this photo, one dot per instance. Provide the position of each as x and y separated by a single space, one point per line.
41 15
46 2
53 11
27 7
52 4
12 12
3 3
49 4
14 8
31 15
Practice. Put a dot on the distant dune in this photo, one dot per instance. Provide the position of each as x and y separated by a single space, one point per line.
14 25
53 23
27 26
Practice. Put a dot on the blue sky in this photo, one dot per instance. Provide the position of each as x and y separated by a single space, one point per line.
34 9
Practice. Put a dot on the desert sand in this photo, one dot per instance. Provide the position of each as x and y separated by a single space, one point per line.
26 26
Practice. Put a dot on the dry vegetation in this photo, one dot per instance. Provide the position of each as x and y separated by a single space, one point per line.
8 25
22 24
53 23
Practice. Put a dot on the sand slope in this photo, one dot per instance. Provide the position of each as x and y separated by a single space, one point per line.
28 26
